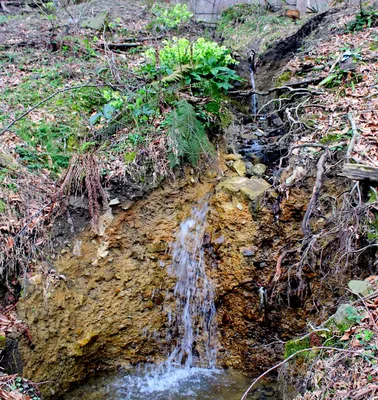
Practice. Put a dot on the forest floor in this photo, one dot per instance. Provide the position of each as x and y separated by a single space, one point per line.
51 53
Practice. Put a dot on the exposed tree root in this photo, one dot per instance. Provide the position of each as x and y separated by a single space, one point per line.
315 194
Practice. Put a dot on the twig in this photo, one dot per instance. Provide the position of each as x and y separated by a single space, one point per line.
302 351
315 194
354 137
275 89
279 262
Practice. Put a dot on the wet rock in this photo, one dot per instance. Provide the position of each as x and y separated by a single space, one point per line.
239 167
249 136
360 288
255 159
343 314
247 252
233 157
250 188
259 169
114 202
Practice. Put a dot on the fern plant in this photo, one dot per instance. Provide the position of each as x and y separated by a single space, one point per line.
187 135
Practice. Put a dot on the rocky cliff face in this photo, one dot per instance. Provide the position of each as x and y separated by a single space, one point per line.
105 303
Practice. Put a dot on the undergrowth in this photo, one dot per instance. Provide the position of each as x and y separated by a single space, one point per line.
79 117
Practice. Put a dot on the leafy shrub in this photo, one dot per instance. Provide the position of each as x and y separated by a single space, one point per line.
203 62
170 17
363 20
182 51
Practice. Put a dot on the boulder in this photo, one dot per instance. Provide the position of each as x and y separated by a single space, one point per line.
232 157
239 167
250 188
360 288
259 169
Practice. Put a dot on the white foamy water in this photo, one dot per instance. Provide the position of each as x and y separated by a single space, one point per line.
254 95
193 322
191 362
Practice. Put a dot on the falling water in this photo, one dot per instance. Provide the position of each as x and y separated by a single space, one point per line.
192 327
189 372
254 95
195 311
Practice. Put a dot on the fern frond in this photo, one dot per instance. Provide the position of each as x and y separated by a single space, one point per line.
187 136
178 74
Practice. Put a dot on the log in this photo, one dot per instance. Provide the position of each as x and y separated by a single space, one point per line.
360 172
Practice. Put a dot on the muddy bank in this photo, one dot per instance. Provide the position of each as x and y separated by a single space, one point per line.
105 303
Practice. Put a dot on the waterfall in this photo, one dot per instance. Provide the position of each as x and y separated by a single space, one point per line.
194 319
192 325
254 95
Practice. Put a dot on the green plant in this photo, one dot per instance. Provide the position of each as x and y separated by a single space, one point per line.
363 20
3 206
170 17
115 102
352 315
292 346
203 63
187 135
341 77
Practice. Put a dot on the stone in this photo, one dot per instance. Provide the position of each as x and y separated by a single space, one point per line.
360 288
233 157
108 275
277 122
248 136
247 252
78 202
250 188
211 174
239 167
114 202
96 23
35 279
343 314
157 247
127 204
255 159
259 169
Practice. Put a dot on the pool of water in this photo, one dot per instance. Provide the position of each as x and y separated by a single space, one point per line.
175 384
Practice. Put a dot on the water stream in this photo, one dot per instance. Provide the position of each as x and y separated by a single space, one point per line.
254 95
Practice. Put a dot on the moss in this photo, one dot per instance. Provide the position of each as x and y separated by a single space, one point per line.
3 340
3 206
374 46
331 138
292 346
283 78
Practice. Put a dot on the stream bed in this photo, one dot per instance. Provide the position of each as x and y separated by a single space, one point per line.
177 384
